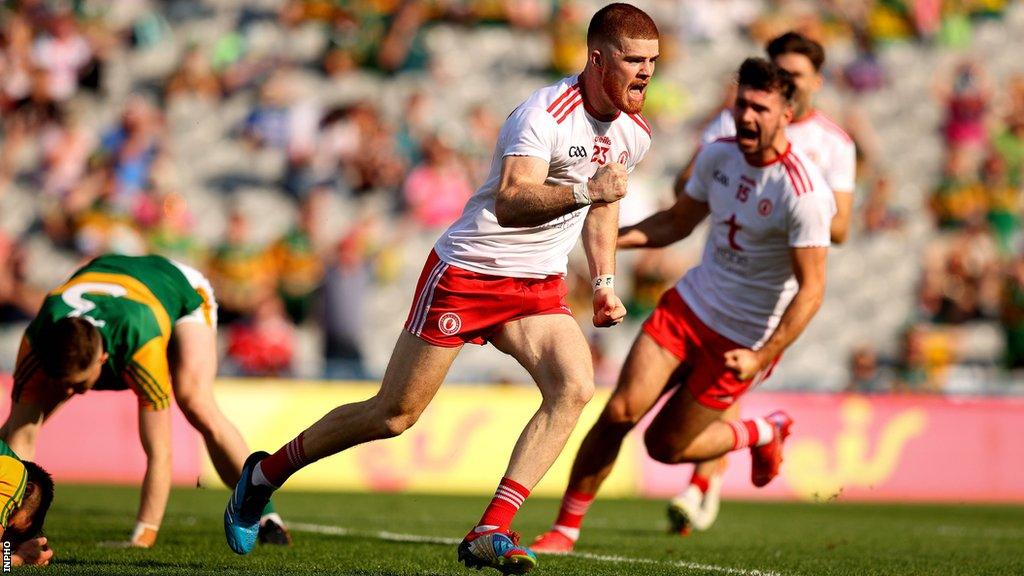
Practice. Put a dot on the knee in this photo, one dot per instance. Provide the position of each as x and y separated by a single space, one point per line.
396 418
571 396
663 448
620 413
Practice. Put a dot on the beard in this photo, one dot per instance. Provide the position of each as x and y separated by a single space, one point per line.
619 95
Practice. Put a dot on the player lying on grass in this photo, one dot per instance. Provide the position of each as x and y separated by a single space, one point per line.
142 323
833 152
26 491
497 275
722 328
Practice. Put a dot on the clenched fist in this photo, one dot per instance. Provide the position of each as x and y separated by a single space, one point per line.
608 184
608 309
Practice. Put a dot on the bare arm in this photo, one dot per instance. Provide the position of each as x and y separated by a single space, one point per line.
524 200
600 230
809 269
840 228
679 186
155 433
665 227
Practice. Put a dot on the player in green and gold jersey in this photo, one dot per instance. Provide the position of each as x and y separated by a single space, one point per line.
26 491
142 323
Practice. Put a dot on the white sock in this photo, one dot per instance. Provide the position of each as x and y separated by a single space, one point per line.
570 533
258 479
272 516
765 431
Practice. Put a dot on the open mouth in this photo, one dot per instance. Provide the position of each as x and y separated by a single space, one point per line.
636 91
746 133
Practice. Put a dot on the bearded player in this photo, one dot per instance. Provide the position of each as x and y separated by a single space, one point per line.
833 152
142 323
722 328
497 275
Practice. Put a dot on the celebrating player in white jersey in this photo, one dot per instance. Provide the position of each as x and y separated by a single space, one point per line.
830 149
497 275
721 329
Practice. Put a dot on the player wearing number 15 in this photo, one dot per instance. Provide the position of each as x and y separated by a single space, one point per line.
721 329
141 323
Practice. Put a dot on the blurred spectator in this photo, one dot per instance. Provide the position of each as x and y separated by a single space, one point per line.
924 360
194 78
347 282
966 97
961 281
436 191
18 301
1003 201
1009 145
606 369
66 146
264 344
879 215
866 72
240 271
63 53
960 196
299 257
865 373
132 149
1012 313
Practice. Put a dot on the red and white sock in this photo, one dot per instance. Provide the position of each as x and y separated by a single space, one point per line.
755 432
509 496
273 470
570 515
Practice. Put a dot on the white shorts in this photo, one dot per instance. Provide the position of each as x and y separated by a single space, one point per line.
207 312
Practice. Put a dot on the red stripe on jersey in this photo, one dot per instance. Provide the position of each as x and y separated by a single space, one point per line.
794 179
803 172
641 122
575 98
574 89
575 105
828 124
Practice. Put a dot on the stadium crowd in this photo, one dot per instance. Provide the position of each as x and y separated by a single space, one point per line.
296 151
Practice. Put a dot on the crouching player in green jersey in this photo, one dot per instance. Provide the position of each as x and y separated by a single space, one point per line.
143 323
26 491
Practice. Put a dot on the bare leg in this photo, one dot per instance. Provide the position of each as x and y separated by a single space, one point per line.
553 350
193 369
710 468
413 376
686 431
642 381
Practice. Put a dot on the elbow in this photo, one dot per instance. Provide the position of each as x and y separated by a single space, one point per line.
504 214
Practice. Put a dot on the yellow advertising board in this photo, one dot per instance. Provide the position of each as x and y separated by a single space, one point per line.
461 444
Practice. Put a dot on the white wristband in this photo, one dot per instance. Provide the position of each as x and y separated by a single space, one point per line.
581 194
603 281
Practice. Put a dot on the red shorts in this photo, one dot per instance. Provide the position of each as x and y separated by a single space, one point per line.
701 351
454 306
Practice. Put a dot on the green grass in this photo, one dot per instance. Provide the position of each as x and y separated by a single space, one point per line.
784 539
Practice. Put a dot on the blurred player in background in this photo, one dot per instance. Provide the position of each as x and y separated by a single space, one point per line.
832 151
497 275
722 328
26 491
142 323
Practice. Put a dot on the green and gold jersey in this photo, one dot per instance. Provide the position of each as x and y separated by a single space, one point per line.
134 302
13 478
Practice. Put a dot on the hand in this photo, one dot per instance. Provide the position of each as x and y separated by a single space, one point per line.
744 362
608 184
608 309
32 552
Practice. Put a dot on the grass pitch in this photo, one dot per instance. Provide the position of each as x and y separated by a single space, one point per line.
407 534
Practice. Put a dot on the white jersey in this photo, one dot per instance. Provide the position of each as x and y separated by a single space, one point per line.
551 125
745 280
827 145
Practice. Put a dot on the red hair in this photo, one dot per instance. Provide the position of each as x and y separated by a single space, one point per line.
617 21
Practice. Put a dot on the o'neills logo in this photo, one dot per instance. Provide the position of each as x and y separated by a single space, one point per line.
449 323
